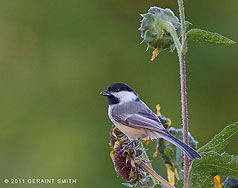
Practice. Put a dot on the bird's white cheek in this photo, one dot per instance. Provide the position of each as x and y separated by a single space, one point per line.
125 96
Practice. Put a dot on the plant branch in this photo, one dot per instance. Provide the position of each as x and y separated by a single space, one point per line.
170 28
146 158
154 174
183 89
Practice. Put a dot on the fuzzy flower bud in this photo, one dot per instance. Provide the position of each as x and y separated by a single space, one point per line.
154 28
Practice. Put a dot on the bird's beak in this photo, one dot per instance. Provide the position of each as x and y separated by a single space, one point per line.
105 93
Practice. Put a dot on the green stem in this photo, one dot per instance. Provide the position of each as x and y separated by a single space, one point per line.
184 114
170 28
183 89
182 20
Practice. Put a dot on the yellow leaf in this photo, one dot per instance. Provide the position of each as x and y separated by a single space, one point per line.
155 53
217 180
170 174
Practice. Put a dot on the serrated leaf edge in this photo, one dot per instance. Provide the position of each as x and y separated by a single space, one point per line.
220 143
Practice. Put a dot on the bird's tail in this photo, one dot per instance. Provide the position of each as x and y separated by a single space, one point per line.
189 151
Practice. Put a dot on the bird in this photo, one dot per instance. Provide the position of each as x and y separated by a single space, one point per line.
134 118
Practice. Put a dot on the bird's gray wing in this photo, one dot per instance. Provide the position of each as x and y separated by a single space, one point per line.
137 115
142 120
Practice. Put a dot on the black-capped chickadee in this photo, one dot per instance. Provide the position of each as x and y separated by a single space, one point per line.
132 117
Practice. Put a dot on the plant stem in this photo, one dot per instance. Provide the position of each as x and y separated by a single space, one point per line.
170 28
182 20
184 114
183 89
146 158
154 174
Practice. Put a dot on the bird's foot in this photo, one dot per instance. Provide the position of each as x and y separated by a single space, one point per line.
126 146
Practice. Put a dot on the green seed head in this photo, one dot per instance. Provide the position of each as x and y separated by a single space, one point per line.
152 30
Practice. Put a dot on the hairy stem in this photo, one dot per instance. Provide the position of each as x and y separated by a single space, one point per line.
182 20
183 89
184 114
181 49
154 174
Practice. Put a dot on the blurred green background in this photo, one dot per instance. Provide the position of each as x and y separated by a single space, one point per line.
55 58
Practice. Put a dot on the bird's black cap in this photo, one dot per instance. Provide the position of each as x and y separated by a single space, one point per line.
116 87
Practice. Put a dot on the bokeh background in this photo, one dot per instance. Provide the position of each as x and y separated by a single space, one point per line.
55 58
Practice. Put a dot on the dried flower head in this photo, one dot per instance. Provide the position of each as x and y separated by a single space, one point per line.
124 160
125 165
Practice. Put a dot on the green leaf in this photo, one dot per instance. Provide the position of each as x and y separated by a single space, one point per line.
157 186
208 37
212 164
222 139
